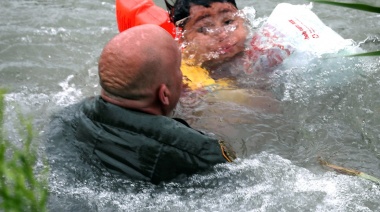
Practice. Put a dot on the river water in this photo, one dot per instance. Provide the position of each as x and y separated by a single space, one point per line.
329 108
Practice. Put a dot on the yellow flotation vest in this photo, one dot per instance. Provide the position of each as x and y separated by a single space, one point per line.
196 77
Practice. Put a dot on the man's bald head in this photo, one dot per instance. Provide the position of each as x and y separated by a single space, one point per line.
134 62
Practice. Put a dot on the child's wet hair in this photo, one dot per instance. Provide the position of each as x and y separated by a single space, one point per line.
180 9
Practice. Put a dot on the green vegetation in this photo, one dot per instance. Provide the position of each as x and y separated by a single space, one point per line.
363 7
22 187
356 6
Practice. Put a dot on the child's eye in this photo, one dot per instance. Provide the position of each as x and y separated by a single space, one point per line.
204 30
229 21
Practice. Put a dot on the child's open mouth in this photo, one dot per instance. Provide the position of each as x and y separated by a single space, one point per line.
225 49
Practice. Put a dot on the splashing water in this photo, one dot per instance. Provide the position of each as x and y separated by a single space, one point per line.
326 107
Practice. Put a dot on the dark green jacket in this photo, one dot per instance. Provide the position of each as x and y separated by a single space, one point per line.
143 146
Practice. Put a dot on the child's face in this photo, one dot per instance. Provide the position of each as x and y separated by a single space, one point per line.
214 34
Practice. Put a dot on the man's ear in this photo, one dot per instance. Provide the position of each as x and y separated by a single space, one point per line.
164 94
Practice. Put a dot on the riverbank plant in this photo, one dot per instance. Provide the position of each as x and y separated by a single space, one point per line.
22 187
356 6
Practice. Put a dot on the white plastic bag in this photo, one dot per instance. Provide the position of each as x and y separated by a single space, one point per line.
289 30
304 31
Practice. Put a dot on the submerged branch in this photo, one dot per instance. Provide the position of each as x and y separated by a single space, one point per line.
348 171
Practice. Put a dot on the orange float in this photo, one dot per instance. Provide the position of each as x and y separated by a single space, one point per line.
131 13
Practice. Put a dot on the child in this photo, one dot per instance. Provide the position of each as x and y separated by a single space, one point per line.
212 31
215 37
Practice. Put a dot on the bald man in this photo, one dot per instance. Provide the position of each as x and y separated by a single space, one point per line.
128 127
140 69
